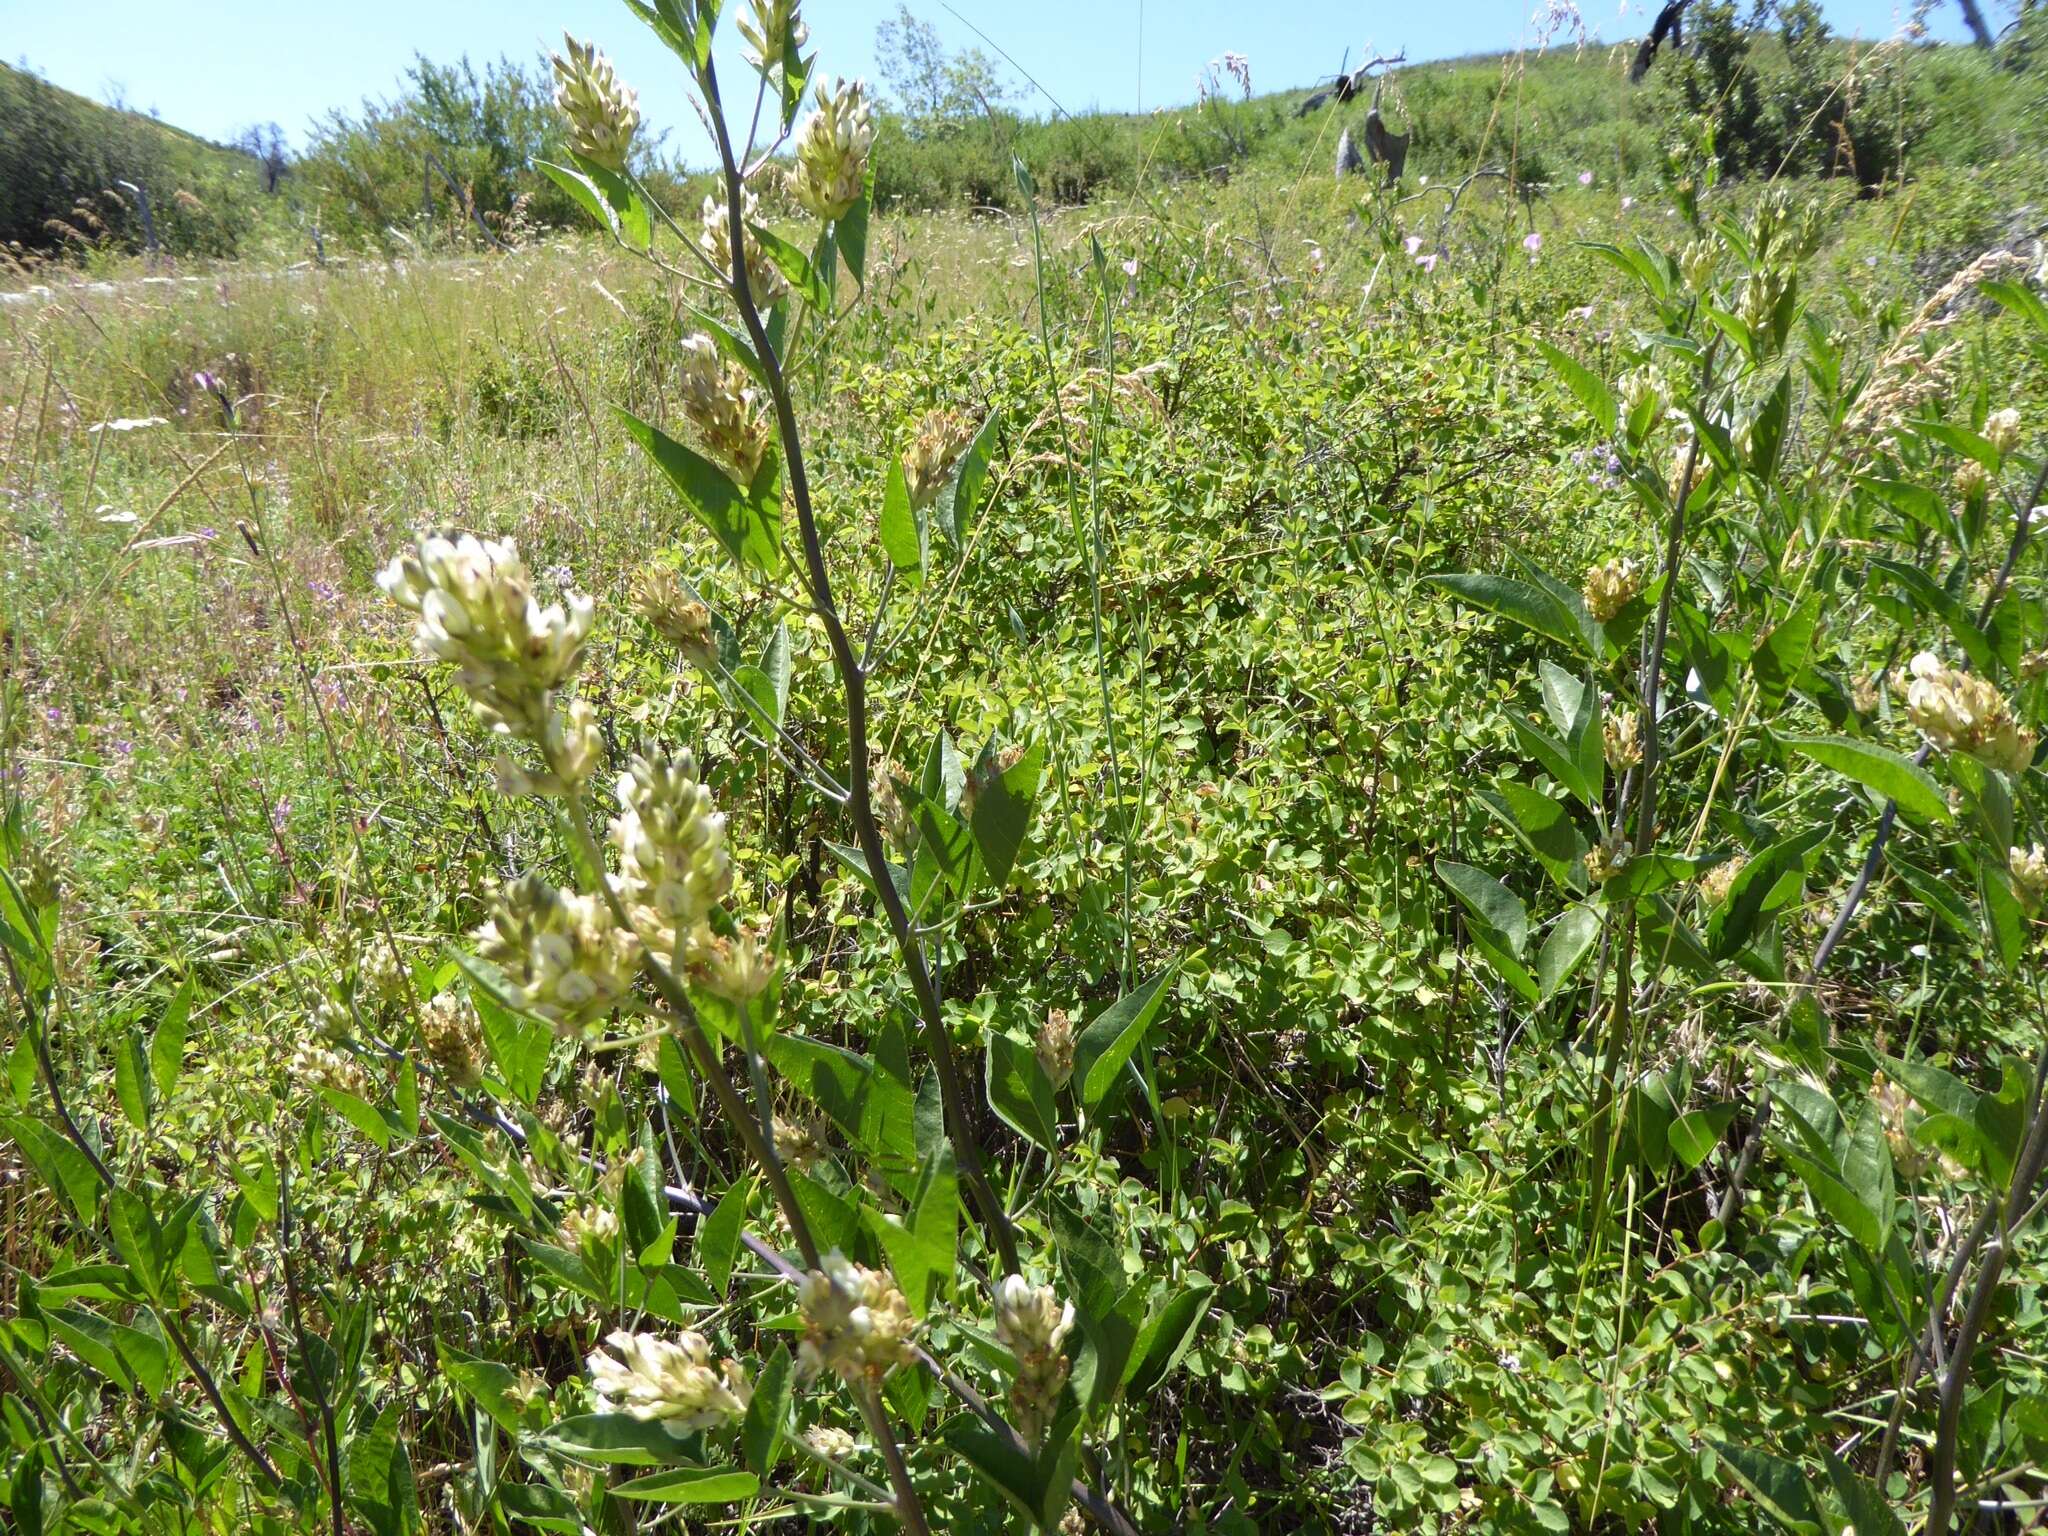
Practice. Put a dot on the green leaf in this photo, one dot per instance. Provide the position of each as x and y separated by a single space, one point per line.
1019 1091
614 1438
2021 300
761 1437
1565 950
1782 654
1169 1333
1693 1136
359 1114
1545 827
902 528
1494 909
1106 1044
794 265
747 526
1528 605
519 1046
138 1239
490 1385
1765 883
874 1110
718 1235
379 1480
921 1249
131 1080
850 229
60 1165
962 492
1586 386
691 1485
167 1045
1557 759
1776 1485
1868 1511
1879 769
1001 818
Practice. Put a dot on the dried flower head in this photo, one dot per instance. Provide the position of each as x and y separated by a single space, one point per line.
771 32
1972 480
1621 739
602 113
571 746
670 1382
832 149
1717 882
1033 1324
563 957
674 867
721 400
798 1143
1893 1108
660 598
1697 264
477 610
1960 712
765 282
738 968
1610 586
454 1038
942 436
1608 858
857 1324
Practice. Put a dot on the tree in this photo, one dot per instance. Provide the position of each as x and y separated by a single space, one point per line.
929 87
264 143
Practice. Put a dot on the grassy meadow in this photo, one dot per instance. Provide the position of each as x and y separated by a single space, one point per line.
1387 1214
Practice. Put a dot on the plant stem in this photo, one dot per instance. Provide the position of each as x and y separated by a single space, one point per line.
907 1506
860 804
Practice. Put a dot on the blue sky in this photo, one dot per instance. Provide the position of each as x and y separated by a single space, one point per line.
219 64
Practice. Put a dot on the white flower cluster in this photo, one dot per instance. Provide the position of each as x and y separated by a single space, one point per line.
856 1322
720 398
1960 712
738 968
832 149
768 32
674 867
318 1067
765 282
589 1226
1054 1046
603 114
1033 1325
563 956
2029 867
670 1382
477 610
2002 429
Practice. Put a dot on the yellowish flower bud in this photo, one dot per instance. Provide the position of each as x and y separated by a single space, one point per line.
2002 429
1621 739
857 1324
721 400
676 616
942 436
1610 586
1055 1046
1033 1325
769 30
832 149
2029 867
602 113
674 867
765 282
564 958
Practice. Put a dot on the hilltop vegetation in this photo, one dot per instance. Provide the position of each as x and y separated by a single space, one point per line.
1451 847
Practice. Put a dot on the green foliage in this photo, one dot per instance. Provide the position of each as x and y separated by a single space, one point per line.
1240 726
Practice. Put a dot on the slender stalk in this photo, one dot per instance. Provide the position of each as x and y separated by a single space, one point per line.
907 1507
291 1292
34 1021
860 803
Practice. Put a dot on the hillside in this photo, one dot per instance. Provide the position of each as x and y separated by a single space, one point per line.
62 158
